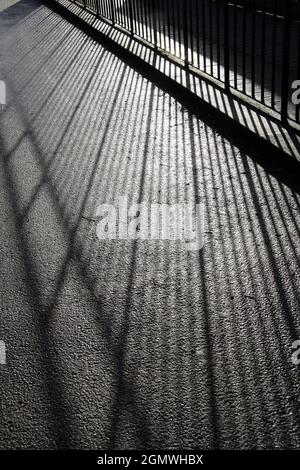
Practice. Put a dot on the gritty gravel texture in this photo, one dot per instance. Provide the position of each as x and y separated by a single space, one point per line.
134 344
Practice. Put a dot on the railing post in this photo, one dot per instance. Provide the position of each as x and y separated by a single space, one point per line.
286 62
226 46
112 8
185 32
97 7
131 17
155 24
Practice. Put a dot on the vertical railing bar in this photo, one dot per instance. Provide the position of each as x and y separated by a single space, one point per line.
120 16
244 47
169 24
145 20
136 8
142 21
116 11
178 26
226 46
253 52
197 34
127 16
211 53
286 63
235 43
158 25
151 31
185 32
112 7
217 13
263 51
174 28
131 17
155 25
274 49
97 7
164 33
191 32
204 34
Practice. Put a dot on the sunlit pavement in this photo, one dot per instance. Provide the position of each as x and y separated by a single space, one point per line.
134 344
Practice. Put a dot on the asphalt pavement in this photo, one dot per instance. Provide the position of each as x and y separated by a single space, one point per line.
135 343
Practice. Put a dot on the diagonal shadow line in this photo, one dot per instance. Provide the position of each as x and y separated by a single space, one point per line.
49 32
64 37
73 251
262 329
45 19
70 64
61 429
216 441
47 166
122 386
129 302
43 104
293 330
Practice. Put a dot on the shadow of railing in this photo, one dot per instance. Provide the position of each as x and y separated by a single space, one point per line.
106 123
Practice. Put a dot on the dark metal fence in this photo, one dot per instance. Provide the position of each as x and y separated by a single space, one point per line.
249 46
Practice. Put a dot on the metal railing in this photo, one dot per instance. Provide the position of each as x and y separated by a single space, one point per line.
248 46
